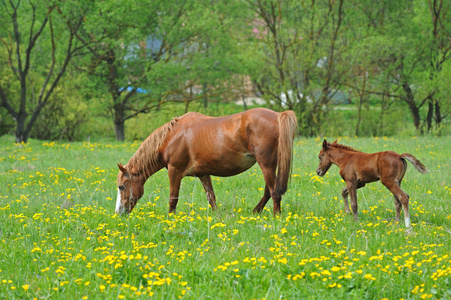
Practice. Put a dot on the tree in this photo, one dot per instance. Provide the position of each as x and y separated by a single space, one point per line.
440 53
154 53
39 40
298 43
410 43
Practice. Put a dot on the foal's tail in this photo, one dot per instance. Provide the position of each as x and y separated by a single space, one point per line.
415 162
287 129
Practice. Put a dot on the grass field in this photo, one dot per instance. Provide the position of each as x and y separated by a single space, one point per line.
60 238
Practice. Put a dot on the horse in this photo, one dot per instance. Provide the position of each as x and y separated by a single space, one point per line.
203 146
359 168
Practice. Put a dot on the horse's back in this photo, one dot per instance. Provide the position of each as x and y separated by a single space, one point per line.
221 146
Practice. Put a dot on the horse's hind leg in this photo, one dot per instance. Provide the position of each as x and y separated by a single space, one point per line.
269 174
398 206
402 197
263 201
208 187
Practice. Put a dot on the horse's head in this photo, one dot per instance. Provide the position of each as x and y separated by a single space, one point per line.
324 159
130 188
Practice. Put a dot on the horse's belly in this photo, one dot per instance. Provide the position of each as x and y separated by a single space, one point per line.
225 166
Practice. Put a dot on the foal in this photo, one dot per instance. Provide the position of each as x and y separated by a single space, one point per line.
358 168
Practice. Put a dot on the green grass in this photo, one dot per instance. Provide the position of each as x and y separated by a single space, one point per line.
60 238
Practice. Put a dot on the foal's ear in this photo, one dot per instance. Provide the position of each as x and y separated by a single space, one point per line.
325 144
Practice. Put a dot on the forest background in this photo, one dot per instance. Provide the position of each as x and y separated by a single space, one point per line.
78 70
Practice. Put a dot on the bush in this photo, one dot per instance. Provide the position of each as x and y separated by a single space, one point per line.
62 117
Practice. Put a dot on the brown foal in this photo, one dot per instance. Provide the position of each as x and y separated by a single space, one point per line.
359 168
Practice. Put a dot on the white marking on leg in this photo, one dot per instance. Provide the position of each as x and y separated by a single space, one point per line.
407 220
118 202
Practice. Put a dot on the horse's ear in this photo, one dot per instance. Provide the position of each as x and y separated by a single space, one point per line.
123 169
335 142
325 144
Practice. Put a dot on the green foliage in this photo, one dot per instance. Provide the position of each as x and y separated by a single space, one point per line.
142 126
293 54
63 117
60 238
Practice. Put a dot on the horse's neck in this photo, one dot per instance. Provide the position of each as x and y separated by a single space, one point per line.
146 160
339 156
144 165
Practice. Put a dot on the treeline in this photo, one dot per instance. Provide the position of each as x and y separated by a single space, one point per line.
67 63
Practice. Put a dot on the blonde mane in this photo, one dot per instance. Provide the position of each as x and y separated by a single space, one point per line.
145 160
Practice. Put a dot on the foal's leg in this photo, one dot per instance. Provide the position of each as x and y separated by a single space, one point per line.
175 180
263 201
345 194
352 190
208 187
398 206
402 197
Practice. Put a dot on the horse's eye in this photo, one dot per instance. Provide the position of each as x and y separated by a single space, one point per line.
121 187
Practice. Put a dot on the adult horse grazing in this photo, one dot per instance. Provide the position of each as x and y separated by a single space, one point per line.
201 146
358 168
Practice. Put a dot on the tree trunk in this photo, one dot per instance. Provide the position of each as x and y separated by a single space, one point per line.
244 102
119 129
414 109
438 115
359 115
205 97
21 135
416 116
430 114
119 122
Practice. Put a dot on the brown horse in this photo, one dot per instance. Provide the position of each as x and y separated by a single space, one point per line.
358 168
201 146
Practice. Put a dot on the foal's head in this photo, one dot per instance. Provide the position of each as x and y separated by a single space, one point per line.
324 159
130 188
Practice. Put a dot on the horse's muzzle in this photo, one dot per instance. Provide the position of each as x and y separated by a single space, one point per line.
121 211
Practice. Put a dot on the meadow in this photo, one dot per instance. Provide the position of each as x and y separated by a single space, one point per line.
60 238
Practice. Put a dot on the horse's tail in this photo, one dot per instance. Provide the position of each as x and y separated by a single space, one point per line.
415 162
287 129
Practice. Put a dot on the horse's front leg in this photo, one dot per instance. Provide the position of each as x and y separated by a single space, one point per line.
345 194
208 187
352 190
175 179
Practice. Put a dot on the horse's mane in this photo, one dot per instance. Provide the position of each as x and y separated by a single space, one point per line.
336 145
146 160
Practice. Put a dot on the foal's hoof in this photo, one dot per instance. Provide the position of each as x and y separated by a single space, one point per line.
409 231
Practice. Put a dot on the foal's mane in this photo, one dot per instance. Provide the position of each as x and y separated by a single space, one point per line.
336 145
145 160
